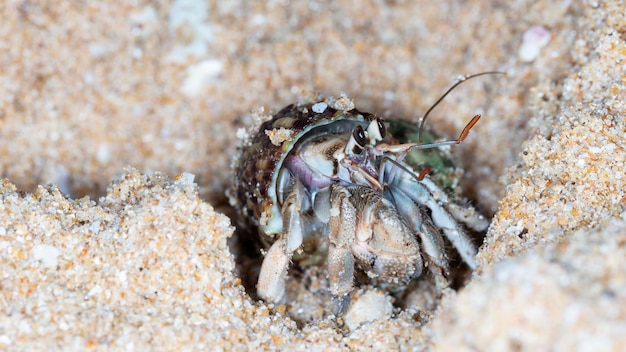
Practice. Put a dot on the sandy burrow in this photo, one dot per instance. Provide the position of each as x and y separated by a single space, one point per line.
553 273
148 266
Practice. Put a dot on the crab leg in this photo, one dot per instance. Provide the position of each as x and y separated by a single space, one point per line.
468 215
431 241
440 216
342 228
271 283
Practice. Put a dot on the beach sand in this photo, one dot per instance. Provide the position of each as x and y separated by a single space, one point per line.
119 122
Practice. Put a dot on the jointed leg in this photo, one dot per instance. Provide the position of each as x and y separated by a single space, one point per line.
342 229
432 246
271 284
435 200
467 215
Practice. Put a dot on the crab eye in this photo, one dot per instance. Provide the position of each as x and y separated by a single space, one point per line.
381 128
359 136
357 141
376 130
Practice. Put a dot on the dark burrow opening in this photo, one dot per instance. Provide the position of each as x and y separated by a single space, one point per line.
308 297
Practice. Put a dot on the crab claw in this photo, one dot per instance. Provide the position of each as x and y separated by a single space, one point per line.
385 242
271 284
367 227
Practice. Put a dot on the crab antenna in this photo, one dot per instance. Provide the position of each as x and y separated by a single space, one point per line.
463 79
467 128
374 183
462 137
406 147
423 173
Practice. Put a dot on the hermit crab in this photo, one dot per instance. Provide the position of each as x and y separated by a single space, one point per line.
373 189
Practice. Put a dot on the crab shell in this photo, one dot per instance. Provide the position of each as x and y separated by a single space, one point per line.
254 191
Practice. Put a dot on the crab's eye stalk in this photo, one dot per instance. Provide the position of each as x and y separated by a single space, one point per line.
381 128
376 131
357 141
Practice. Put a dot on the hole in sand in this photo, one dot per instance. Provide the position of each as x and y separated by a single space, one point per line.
308 297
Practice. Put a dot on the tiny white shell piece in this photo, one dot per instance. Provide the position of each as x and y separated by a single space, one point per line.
535 38
48 255
200 76
366 308
319 107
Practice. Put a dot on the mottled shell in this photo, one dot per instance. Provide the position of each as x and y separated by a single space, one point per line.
257 168
253 193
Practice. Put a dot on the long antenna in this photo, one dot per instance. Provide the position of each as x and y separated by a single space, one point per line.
461 80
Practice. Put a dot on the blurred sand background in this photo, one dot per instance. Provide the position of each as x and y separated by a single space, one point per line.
113 258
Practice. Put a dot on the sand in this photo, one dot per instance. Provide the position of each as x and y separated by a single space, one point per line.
119 122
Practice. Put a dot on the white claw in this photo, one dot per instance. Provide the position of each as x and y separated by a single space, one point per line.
271 284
